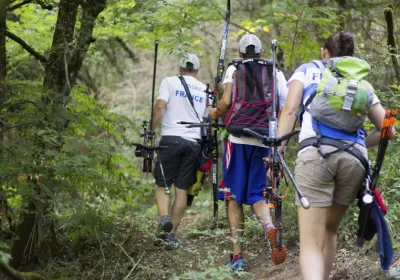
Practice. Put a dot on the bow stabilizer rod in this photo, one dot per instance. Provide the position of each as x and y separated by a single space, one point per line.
213 128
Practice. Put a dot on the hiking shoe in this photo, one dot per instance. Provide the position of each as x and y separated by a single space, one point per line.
236 265
163 229
278 254
172 242
395 270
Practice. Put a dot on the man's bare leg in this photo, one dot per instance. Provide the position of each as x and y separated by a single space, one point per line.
236 225
162 201
262 211
178 208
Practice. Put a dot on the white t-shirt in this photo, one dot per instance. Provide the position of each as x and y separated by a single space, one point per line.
178 107
309 74
282 91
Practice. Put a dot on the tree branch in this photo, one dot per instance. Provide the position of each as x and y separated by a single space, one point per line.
16 6
91 9
391 41
42 4
24 45
126 48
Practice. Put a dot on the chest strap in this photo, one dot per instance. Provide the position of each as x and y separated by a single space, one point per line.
342 146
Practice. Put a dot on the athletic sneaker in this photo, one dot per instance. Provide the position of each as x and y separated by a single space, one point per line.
164 227
236 264
172 242
278 254
395 270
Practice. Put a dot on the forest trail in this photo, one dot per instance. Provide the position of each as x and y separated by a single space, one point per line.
207 251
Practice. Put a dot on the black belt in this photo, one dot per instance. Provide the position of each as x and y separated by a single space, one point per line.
338 144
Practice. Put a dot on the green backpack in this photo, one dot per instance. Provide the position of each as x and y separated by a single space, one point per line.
343 98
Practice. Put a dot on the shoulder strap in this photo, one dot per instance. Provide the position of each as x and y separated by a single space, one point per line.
303 107
320 64
189 96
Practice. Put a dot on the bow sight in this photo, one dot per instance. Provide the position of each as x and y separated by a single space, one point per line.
146 151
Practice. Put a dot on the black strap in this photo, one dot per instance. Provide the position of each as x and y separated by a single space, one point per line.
238 61
189 96
342 146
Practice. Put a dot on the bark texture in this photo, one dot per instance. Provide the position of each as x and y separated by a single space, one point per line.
37 242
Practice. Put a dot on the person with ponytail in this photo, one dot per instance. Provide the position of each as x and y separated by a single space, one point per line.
330 166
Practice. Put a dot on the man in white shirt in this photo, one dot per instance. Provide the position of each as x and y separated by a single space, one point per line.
244 173
180 158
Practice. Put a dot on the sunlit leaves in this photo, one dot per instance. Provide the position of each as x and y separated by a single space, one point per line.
171 22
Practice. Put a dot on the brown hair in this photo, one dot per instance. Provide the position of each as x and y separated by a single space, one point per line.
340 44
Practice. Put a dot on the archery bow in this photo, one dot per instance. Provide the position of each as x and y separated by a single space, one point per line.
146 151
213 127
276 164
370 191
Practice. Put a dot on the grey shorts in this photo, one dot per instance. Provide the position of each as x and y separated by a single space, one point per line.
337 178
179 162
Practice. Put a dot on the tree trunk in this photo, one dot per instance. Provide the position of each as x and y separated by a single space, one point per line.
3 60
391 43
61 72
4 208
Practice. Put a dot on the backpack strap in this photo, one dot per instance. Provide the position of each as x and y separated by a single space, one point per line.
350 94
303 107
321 64
189 96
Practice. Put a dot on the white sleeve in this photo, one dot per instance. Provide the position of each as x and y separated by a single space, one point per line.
164 91
299 74
282 89
375 100
229 74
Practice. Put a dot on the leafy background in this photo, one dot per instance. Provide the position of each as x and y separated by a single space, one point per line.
73 166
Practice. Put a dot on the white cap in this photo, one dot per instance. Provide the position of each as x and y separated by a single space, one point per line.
248 40
192 59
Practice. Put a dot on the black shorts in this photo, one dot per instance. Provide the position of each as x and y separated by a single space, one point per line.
179 162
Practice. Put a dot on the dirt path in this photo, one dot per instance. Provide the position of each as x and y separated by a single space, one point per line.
207 251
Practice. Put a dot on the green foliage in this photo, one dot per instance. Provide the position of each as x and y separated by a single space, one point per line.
87 168
294 20
171 22
35 26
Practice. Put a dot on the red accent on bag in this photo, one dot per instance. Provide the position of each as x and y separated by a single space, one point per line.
206 163
380 201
